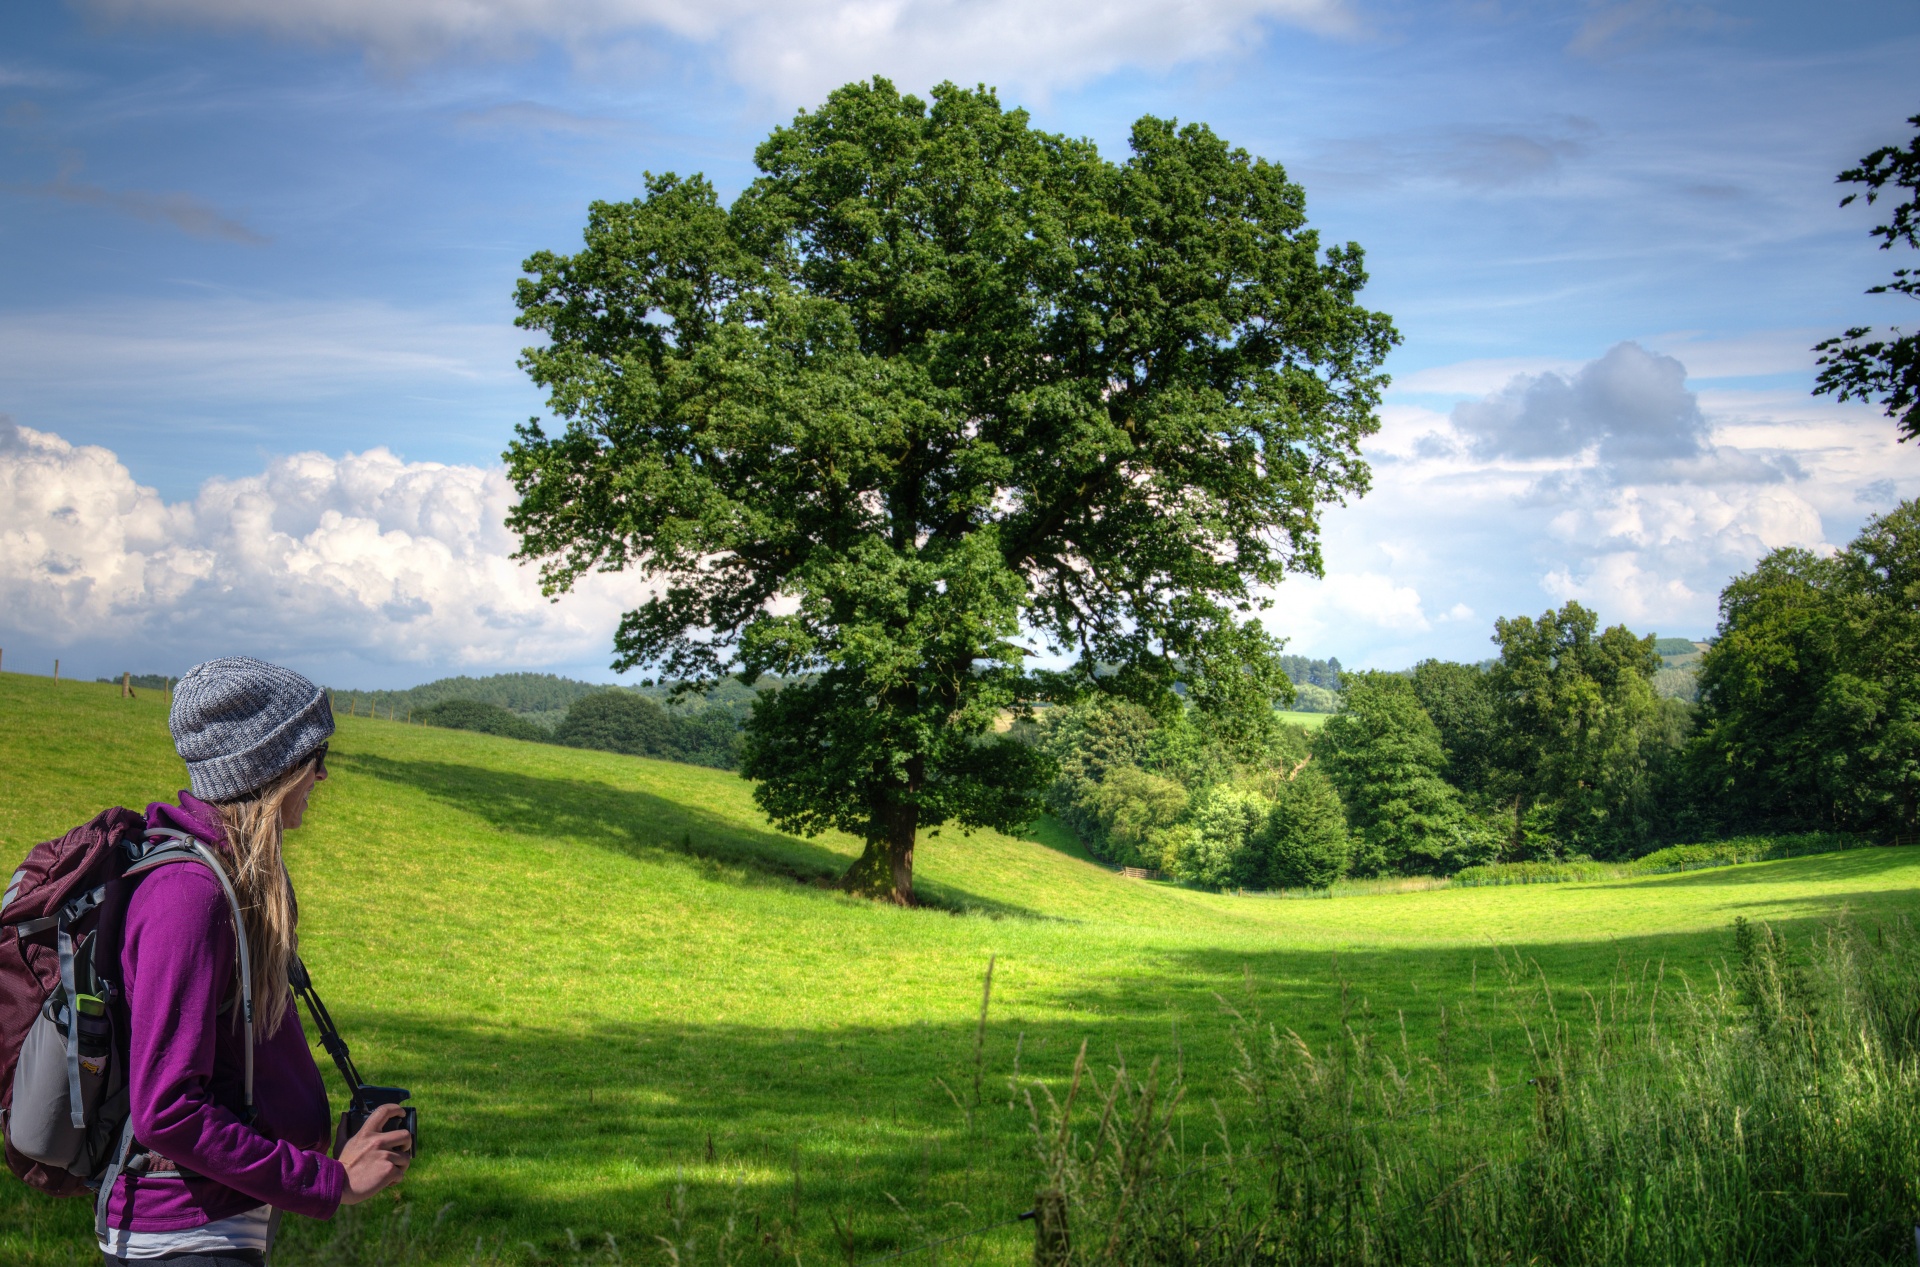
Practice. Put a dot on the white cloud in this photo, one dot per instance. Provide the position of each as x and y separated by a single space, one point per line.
1310 609
794 50
316 559
1630 403
1609 482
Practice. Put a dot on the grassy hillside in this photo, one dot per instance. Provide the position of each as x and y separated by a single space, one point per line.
607 980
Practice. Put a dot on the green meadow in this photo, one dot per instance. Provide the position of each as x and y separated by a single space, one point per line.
627 1008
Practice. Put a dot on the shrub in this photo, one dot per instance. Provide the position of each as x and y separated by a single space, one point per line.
1305 842
1221 851
488 719
1726 853
1133 811
619 721
1534 873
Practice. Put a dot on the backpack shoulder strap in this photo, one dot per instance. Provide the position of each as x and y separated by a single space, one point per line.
156 847
162 845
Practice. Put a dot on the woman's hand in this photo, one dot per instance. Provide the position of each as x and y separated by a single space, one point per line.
375 1158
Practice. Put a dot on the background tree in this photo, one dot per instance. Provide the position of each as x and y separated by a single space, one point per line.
1858 366
935 383
1459 699
1383 753
1220 845
488 719
620 721
1306 845
1810 695
1133 811
1582 731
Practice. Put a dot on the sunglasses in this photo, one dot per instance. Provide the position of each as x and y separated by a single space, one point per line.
319 758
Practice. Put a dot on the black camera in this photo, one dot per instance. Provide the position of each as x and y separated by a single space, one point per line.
362 1099
365 1101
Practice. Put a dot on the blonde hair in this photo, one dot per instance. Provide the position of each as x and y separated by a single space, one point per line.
258 870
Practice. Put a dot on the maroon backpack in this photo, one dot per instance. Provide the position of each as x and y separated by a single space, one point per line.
52 914
64 1111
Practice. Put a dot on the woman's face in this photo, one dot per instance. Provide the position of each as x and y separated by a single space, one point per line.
294 808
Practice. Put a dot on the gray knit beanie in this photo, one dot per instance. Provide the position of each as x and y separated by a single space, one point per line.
240 724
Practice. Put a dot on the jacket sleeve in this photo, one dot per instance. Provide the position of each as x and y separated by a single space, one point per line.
180 970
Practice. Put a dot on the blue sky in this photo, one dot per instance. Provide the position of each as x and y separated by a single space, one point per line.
256 341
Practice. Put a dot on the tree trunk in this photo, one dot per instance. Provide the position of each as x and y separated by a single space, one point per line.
885 869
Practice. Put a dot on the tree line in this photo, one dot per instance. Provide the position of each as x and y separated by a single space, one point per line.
1807 718
696 731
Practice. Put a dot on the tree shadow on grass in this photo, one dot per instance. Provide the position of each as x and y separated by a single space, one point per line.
840 1142
638 823
815 1131
542 1128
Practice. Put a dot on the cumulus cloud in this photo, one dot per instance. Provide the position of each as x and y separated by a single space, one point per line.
363 557
1629 413
796 49
1631 403
1611 482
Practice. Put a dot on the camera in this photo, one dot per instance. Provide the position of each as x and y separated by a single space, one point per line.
367 1099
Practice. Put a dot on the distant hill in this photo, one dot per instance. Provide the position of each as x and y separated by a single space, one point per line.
541 698
1678 676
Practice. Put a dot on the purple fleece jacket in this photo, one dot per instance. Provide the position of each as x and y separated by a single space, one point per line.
188 1062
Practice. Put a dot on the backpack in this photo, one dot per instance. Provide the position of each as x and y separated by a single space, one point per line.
64 1102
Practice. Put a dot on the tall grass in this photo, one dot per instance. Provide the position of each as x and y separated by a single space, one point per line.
1770 1116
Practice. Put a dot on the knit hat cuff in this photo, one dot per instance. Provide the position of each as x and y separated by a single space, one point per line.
232 775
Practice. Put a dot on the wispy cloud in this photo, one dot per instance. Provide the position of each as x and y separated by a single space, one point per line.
14 75
532 116
183 211
215 347
793 48
1629 24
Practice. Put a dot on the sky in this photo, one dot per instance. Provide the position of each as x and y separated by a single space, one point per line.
257 359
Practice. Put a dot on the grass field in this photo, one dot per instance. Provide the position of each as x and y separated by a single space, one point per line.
608 981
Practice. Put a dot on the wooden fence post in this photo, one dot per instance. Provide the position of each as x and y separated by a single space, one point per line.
1051 1246
56 670
126 686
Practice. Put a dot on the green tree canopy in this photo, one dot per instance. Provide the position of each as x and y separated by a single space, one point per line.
1583 734
937 385
1383 753
1306 843
1459 699
1860 365
620 721
488 719
1810 696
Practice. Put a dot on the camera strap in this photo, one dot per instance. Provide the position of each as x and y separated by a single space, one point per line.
329 1033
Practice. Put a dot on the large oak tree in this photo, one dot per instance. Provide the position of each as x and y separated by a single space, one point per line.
937 388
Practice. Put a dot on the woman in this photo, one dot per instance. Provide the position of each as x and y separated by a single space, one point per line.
254 737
